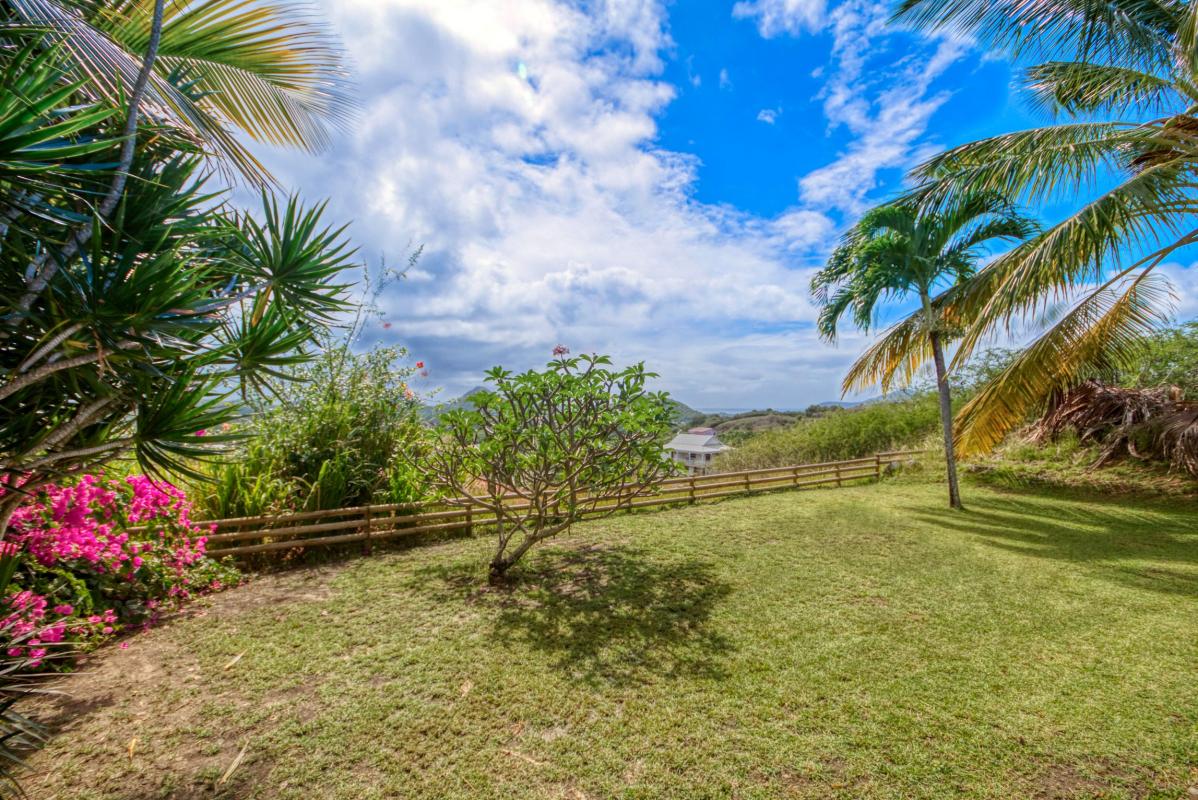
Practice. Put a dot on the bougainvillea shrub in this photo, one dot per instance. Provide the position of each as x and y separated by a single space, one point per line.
97 557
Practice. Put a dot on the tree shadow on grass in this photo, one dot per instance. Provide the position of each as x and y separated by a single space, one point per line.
605 615
1155 550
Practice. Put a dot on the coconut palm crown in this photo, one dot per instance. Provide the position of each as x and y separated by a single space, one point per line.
1122 79
900 252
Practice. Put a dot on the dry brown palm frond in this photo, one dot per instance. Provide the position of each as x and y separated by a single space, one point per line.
1149 424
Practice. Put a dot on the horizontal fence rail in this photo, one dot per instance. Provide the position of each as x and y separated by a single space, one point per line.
241 536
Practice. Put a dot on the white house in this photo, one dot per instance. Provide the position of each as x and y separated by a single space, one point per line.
696 449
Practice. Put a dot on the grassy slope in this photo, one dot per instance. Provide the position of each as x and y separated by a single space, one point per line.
860 642
1066 464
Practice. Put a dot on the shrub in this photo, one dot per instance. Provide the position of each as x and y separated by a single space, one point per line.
840 434
1170 358
334 439
576 439
82 562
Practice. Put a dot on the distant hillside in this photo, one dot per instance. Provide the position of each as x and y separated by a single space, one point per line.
838 404
685 416
834 435
432 413
751 423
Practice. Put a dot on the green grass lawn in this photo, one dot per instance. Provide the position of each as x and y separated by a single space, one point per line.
862 642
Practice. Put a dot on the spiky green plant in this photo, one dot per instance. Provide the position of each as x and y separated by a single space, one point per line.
22 677
1125 78
134 304
900 252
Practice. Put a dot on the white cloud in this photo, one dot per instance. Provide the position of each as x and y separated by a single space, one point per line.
768 115
887 109
1184 282
517 144
779 17
801 229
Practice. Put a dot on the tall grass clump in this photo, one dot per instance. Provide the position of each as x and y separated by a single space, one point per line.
840 434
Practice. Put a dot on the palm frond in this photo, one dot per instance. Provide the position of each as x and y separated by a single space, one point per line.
1127 32
1102 332
893 360
1136 214
1078 87
1185 45
1144 423
270 68
1031 166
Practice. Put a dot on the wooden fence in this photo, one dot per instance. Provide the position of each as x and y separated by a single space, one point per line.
367 524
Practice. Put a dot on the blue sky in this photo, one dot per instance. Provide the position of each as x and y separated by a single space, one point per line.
657 181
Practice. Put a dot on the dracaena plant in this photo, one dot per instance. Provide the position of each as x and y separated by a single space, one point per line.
1122 79
136 307
541 450
142 334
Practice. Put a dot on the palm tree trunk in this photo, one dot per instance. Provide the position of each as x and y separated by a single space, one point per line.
946 420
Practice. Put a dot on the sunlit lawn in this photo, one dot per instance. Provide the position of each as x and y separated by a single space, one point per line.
861 642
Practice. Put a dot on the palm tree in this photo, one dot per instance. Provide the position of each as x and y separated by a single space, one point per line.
898 252
1125 76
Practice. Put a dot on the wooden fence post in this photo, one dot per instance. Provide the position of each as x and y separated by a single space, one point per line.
692 485
748 484
878 466
469 518
369 523
838 483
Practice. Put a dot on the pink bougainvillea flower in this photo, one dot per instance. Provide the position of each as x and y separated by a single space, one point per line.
83 529
124 645
424 373
201 432
419 365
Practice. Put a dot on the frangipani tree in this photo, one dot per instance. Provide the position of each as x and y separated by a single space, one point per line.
1124 76
898 252
543 449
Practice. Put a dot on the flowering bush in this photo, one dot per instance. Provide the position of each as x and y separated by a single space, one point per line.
87 560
